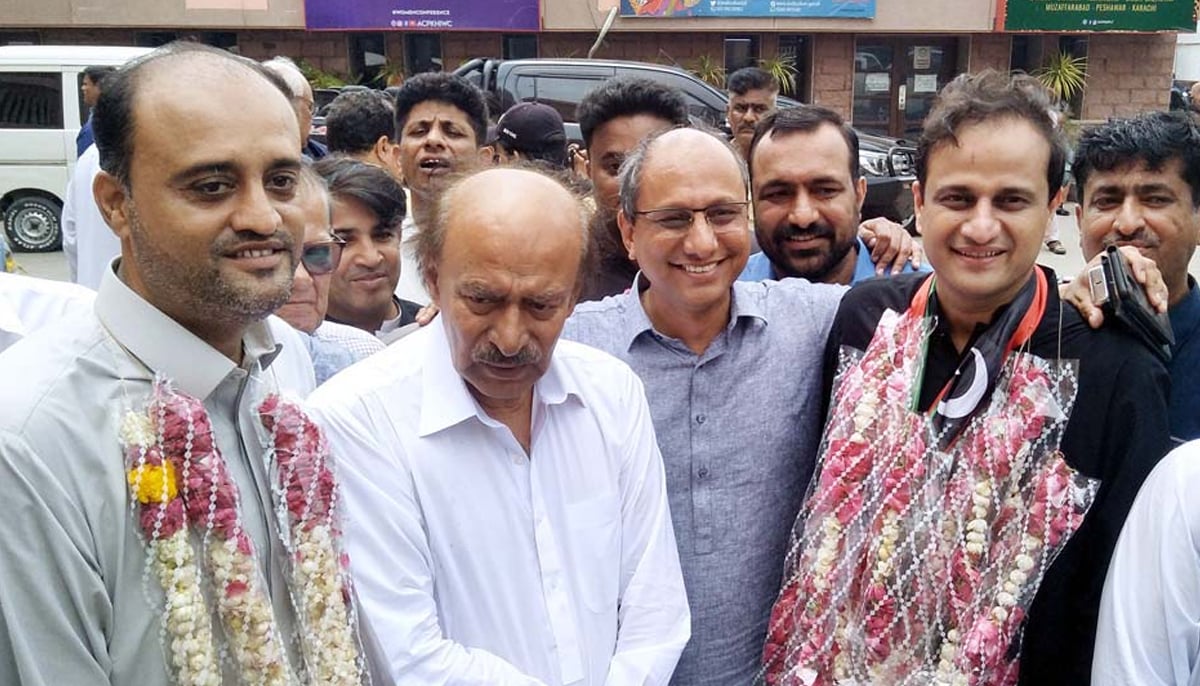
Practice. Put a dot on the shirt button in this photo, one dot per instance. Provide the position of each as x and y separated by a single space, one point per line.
703 473
700 418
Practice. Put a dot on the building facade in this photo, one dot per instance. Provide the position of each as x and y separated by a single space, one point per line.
880 71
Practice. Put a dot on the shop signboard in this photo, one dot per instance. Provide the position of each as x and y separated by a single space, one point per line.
424 15
1090 15
840 9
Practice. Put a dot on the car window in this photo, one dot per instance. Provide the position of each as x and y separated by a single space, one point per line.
563 93
31 100
702 103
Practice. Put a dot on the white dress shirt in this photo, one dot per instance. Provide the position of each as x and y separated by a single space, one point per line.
410 286
88 243
478 564
27 304
1149 628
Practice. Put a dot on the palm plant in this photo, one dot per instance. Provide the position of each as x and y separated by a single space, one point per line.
1064 75
783 68
709 70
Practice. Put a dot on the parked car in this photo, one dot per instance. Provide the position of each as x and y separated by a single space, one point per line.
41 111
887 163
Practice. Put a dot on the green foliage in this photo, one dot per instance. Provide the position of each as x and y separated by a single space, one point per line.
709 70
390 74
1064 75
783 68
319 78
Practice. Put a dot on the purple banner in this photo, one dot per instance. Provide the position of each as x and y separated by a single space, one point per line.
424 15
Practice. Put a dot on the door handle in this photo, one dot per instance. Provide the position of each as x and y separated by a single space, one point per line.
901 96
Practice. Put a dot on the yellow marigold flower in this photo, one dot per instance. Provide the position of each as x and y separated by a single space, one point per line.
154 483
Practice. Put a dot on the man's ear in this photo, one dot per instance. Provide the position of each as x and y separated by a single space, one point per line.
431 285
112 199
860 192
626 228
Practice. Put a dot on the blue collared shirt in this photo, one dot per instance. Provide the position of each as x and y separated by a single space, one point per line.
759 267
738 427
1185 366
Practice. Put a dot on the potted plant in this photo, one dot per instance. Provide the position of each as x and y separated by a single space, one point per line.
709 70
1064 75
783 68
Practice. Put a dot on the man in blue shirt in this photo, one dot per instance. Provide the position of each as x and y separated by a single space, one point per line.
808 194
89 88
1140 183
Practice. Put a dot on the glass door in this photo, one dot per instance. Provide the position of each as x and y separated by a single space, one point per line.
897 79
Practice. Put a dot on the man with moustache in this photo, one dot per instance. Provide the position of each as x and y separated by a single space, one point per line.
730 372
752 93
511 524
332 346
441 127
1140 184
367 212
100 582
983 445
808 194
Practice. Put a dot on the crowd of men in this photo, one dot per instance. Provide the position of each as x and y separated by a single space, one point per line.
681 417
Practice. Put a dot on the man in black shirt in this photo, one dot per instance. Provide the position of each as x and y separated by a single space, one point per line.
974 421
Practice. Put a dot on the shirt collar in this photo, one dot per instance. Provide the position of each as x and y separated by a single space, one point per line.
635 321
166 347
445 399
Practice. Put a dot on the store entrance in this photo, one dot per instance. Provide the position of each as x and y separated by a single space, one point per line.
896 80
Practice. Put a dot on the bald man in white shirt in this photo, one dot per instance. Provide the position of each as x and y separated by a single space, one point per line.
508 520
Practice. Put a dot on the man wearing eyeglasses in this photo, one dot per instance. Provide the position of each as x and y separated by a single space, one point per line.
730 374
332 346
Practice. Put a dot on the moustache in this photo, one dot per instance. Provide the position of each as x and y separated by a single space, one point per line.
227 243
491 355
1142 239
793 232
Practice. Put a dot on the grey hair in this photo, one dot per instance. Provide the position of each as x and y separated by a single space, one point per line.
429 242
311 181
630 176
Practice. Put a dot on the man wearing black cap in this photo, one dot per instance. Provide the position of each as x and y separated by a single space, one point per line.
534 132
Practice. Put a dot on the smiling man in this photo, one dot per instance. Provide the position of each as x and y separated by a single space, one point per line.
367 215
511 519
732 376
1140 184
962 400
130 439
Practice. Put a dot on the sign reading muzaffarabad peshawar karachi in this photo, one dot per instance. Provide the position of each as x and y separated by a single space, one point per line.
1093 15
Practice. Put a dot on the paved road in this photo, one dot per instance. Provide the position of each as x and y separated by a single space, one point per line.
54 266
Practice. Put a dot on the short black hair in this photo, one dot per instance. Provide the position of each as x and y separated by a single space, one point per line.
749 79
987 96
806 119
1152 138
371 186
627 96
356 120
97 74
113 119
447 88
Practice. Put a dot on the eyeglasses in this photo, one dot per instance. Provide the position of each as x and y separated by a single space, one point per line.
322 257
722 217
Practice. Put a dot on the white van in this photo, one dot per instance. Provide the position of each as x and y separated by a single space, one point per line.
41 111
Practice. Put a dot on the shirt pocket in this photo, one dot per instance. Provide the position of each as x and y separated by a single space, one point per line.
595 526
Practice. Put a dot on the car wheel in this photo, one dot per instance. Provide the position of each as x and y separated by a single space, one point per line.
34 224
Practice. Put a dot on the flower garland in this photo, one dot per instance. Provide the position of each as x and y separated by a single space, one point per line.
915 565
307 492
178 478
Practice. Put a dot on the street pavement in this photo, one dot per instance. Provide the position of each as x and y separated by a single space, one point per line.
54 265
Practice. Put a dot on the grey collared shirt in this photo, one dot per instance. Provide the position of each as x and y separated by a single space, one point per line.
76 606
738 427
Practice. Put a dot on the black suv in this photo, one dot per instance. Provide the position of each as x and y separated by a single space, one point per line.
561 83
